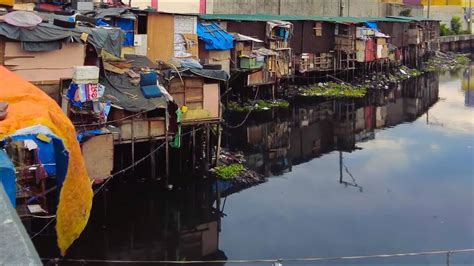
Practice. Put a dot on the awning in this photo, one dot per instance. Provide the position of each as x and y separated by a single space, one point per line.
214 36
242 38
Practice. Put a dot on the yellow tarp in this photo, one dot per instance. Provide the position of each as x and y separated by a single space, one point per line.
29 106
7 2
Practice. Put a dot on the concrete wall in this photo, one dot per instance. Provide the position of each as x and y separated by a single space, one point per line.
172 6
355 8
445 13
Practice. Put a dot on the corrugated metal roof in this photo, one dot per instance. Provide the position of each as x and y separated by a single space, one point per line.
413 18
268 17
261 17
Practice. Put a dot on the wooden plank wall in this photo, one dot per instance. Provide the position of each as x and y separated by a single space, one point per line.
160 37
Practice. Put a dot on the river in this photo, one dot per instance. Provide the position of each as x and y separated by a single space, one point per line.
389 174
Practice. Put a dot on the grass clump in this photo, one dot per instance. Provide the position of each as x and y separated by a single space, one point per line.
229 171
333 89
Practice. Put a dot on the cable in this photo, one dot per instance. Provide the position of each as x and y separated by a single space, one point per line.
310 259
246 116
137 162
44 228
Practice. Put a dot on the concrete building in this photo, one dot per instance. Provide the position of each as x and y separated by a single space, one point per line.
356 8
173 6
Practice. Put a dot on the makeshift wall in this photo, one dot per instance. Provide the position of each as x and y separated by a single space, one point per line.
310 43
220 58
160 41
185 37
254 29
43 66
396 30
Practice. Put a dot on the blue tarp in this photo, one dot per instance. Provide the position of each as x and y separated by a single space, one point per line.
214 37
128 26
7 176
372 25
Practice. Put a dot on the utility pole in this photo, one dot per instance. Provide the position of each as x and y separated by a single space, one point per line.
470 16
341 8
429 9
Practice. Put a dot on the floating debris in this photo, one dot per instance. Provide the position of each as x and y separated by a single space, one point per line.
260 105
232 172
333 89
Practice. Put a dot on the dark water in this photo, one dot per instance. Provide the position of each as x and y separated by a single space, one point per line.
392 173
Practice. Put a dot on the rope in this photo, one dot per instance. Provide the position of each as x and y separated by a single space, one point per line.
311 259
246 116
112 176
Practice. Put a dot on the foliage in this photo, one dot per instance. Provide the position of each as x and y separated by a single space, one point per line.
456 25
444 30
333 89
405 13
229 171
468 31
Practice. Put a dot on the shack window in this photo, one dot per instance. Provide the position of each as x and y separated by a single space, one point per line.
142 24
318 29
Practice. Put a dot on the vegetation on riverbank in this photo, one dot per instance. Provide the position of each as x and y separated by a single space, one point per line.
445 61
333 89
260 105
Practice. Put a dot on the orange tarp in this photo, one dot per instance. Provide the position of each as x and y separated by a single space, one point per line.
30 106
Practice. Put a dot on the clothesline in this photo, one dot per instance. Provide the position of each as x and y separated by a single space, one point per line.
273 261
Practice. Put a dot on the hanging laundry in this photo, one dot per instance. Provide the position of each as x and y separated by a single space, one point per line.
177 139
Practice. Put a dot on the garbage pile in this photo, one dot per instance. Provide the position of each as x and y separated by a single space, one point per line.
232 170
445 61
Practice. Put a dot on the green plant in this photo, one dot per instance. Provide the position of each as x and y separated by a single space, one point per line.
333 89
229 171
444 30
456 25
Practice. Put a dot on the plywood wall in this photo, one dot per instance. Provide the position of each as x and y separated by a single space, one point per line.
44 66
160 37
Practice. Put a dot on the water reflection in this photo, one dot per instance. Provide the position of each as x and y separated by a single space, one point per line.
277 140
410 148
468 87
393 173
138 221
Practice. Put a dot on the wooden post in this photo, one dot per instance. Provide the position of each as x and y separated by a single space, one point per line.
218 148
167 167
193 136
133 145
153 159
208 151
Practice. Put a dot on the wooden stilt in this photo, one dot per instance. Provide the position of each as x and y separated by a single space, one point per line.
133 146
167 167
218 148
153 159
193 136
208 151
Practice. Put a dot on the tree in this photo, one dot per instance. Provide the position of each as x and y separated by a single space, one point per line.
445 30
